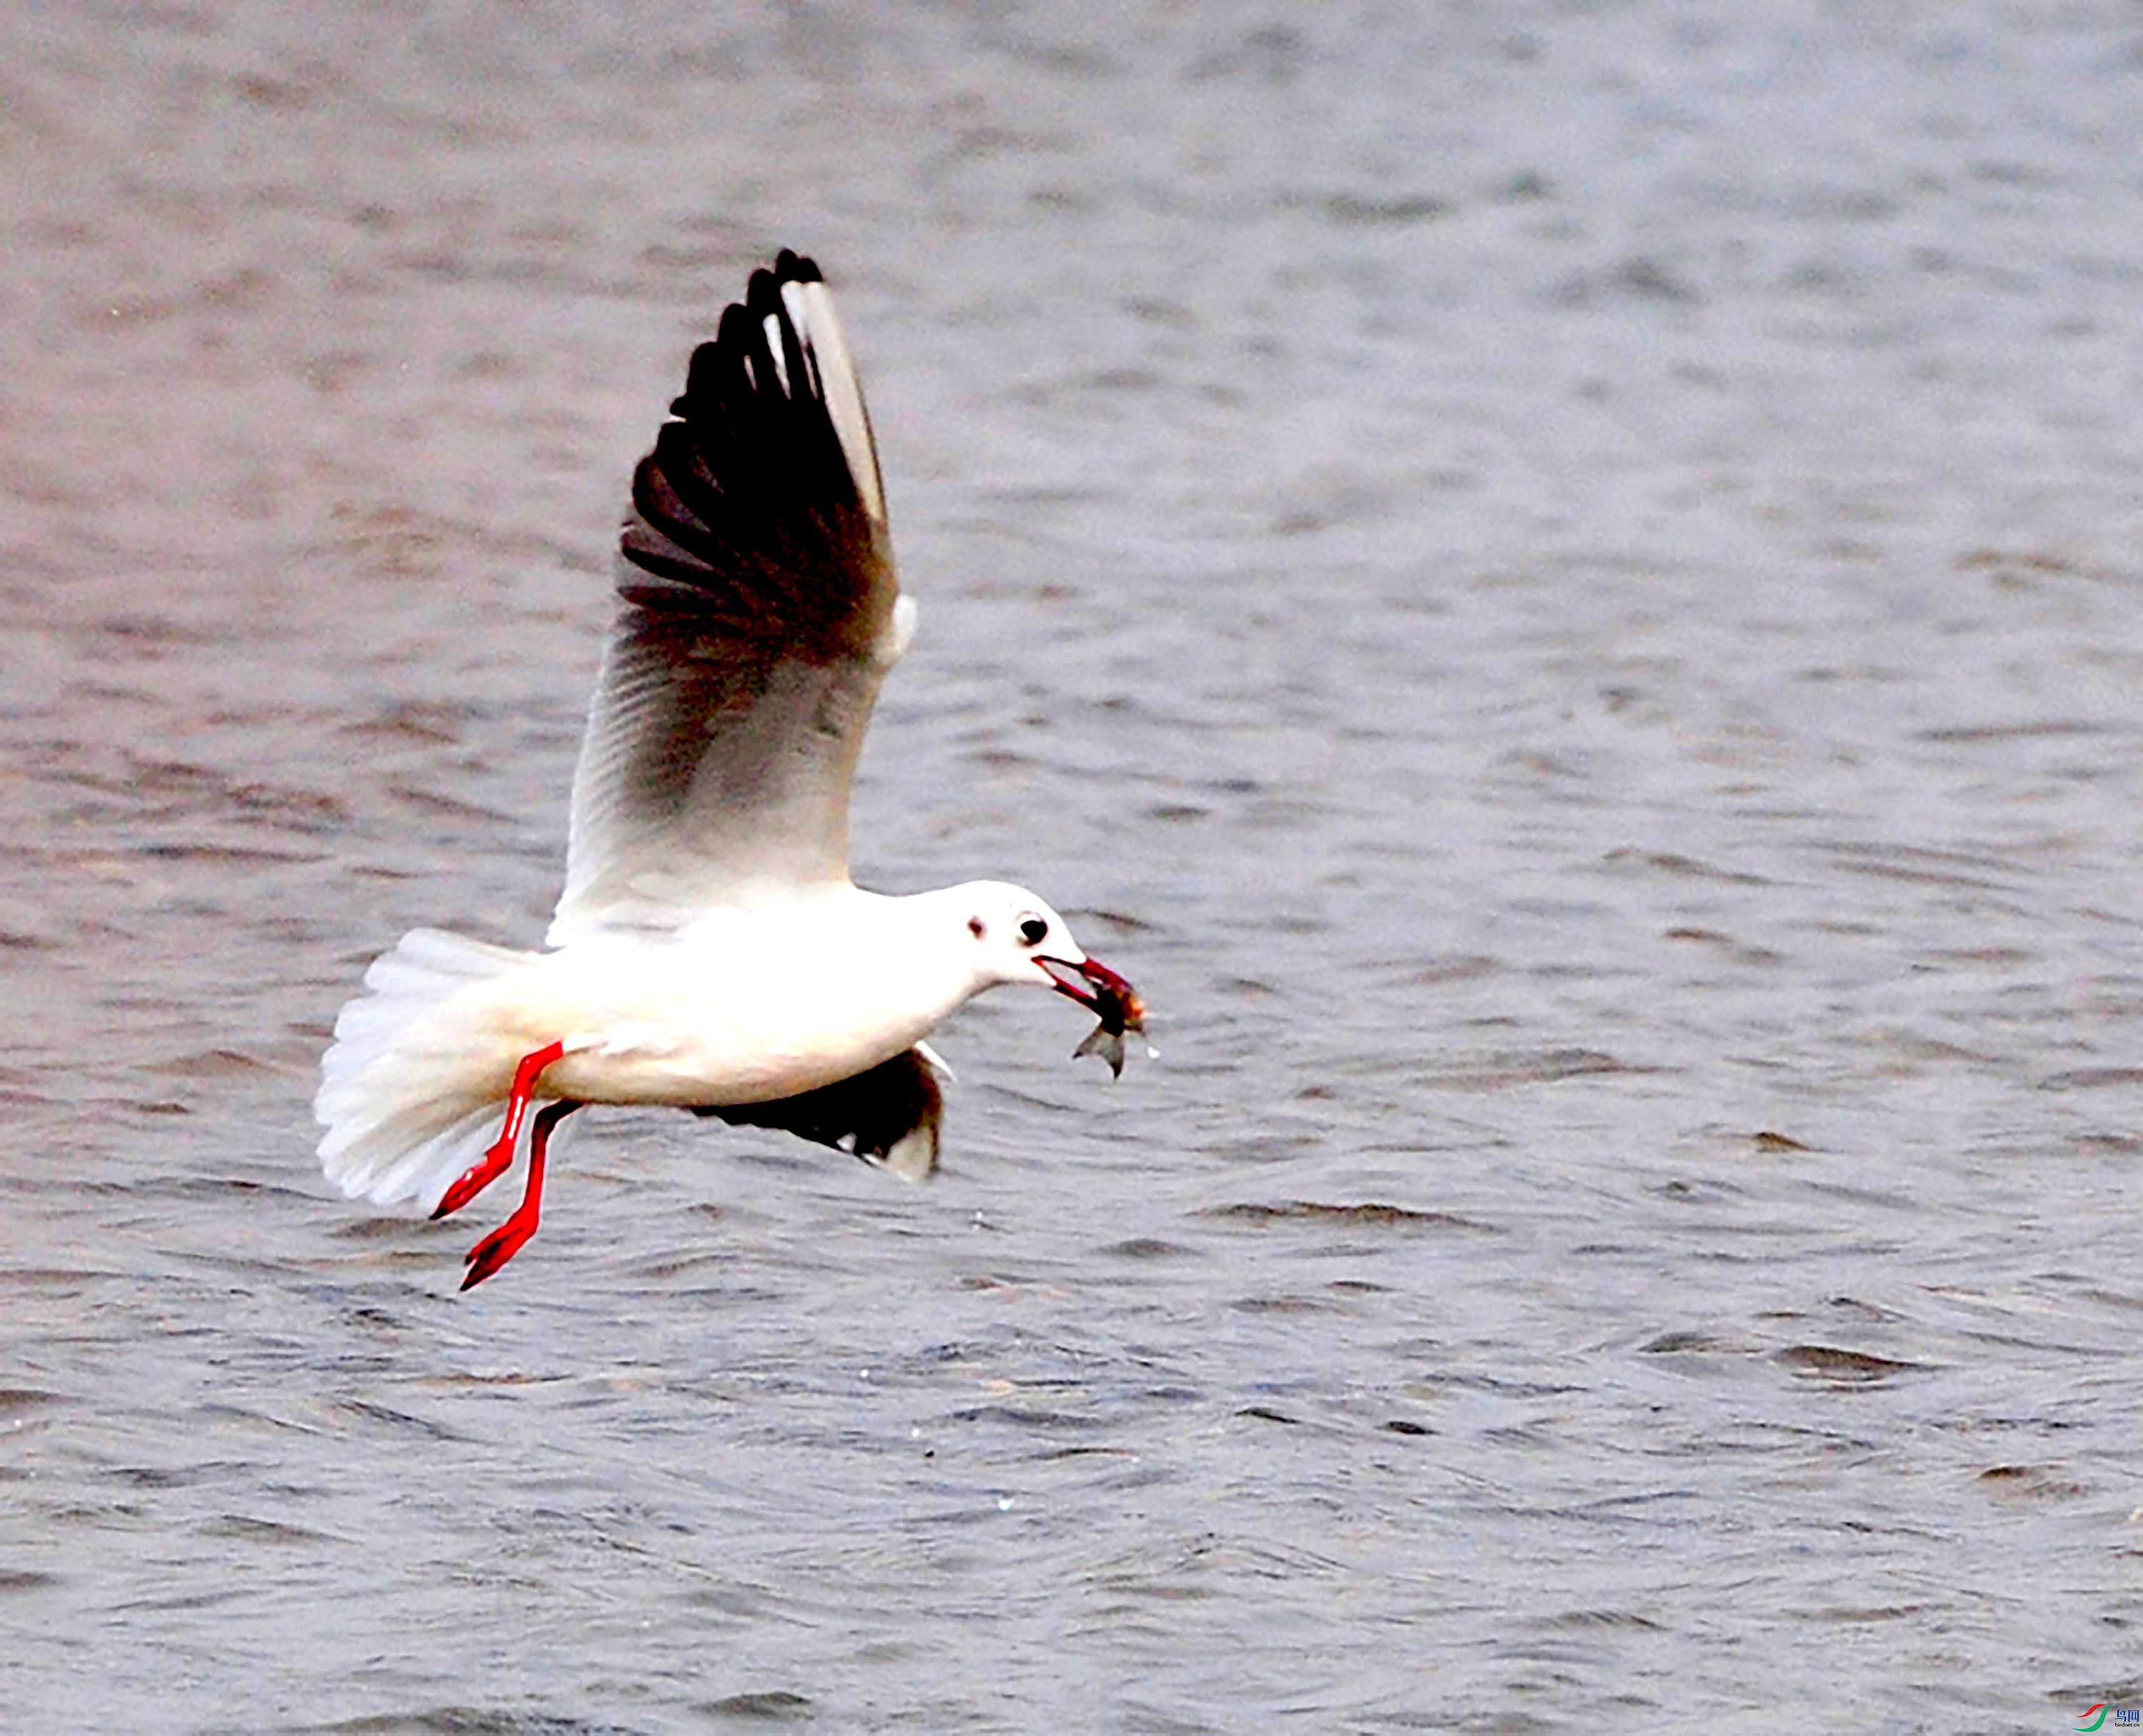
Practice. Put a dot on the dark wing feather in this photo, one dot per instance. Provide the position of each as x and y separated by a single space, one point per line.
888 1114
757 619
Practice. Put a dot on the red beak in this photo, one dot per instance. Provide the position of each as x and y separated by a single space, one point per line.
1096 987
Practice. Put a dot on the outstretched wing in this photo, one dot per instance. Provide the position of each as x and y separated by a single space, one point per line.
886 1115
760 613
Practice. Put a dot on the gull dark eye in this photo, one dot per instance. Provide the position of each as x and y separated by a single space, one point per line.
1034 930
975 927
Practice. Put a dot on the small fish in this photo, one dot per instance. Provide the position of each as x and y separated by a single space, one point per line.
1112 1000
1106 1041
1120 1009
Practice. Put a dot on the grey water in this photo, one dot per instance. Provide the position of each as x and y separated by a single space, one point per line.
1557 583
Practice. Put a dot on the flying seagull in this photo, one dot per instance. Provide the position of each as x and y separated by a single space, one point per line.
709 951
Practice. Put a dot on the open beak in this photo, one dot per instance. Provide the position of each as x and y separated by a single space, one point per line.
1097 988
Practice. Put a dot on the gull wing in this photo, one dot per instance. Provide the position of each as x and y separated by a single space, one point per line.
886 1115
759 612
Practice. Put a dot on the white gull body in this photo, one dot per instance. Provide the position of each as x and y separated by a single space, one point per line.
710 951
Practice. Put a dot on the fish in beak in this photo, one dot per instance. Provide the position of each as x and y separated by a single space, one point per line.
1111 1000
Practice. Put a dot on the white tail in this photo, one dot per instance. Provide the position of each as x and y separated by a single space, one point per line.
410 1098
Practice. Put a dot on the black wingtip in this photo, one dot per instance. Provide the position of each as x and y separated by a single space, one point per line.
758 461
762 293
762 290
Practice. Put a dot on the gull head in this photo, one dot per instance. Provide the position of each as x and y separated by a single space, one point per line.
1013 937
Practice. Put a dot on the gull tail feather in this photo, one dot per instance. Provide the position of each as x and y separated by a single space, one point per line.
411 1096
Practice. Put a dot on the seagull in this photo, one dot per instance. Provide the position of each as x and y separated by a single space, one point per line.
709 951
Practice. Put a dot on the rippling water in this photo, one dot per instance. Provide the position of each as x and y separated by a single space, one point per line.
1559 585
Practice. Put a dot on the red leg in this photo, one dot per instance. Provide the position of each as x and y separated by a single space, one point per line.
499 1159
506 1241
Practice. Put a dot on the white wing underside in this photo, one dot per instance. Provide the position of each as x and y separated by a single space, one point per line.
759 612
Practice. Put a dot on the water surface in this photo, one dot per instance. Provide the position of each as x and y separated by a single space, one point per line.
1558 584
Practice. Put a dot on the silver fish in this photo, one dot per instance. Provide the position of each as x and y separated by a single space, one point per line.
1107 1042
1112 1000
